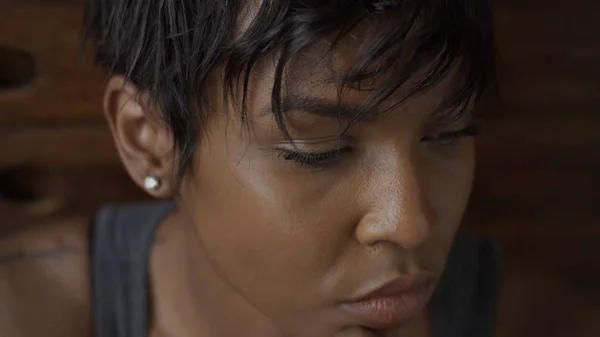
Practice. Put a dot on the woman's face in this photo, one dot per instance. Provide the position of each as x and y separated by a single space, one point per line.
298 231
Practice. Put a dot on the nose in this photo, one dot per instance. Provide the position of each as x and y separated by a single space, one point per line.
400 211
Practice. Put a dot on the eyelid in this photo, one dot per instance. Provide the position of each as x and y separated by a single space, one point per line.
469 130
327 144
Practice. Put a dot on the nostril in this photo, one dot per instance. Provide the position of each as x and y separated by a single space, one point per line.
17 68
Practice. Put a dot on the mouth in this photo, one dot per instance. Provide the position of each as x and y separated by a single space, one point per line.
392 303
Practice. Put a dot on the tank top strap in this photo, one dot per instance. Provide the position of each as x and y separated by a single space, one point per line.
465 301
121 238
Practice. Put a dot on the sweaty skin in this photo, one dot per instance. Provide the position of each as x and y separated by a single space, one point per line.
269 238
276 245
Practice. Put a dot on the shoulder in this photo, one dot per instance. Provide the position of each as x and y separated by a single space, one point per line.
44 282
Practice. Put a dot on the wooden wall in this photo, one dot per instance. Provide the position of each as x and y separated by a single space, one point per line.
51 129
539 161
538 183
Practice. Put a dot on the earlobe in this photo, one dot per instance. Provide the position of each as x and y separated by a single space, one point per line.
143 141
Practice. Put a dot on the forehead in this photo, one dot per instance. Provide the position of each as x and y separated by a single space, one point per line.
386 62
308 89
316 72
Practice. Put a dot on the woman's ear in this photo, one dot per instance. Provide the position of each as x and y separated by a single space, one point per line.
143 140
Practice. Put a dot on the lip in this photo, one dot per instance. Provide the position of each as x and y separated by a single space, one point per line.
392 303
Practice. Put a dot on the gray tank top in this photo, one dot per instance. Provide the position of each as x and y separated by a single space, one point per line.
121 238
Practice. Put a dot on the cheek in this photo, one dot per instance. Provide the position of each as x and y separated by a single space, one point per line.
451 172
450 184
270 236
455 179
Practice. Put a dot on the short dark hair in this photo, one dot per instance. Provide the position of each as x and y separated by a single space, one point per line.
169 48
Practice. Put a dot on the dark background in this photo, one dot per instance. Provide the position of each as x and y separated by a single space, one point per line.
538 184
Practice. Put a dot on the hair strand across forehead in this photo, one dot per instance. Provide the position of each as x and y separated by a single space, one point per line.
171 48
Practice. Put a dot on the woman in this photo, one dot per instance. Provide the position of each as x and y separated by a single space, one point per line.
320 156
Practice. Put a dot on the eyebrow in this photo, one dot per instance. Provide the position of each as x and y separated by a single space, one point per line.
317 106
335 109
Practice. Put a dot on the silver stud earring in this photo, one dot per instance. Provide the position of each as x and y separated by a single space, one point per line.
151 183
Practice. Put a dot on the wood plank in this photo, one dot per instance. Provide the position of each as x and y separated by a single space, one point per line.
57 146
518 137
546 52
68 87
82 190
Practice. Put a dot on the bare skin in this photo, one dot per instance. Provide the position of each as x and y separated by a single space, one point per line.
45 290
265 237
44 283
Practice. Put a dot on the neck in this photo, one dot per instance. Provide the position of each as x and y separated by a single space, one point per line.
188 296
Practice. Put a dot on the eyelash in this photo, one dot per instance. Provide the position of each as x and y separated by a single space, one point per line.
315 158
333 156
448 138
